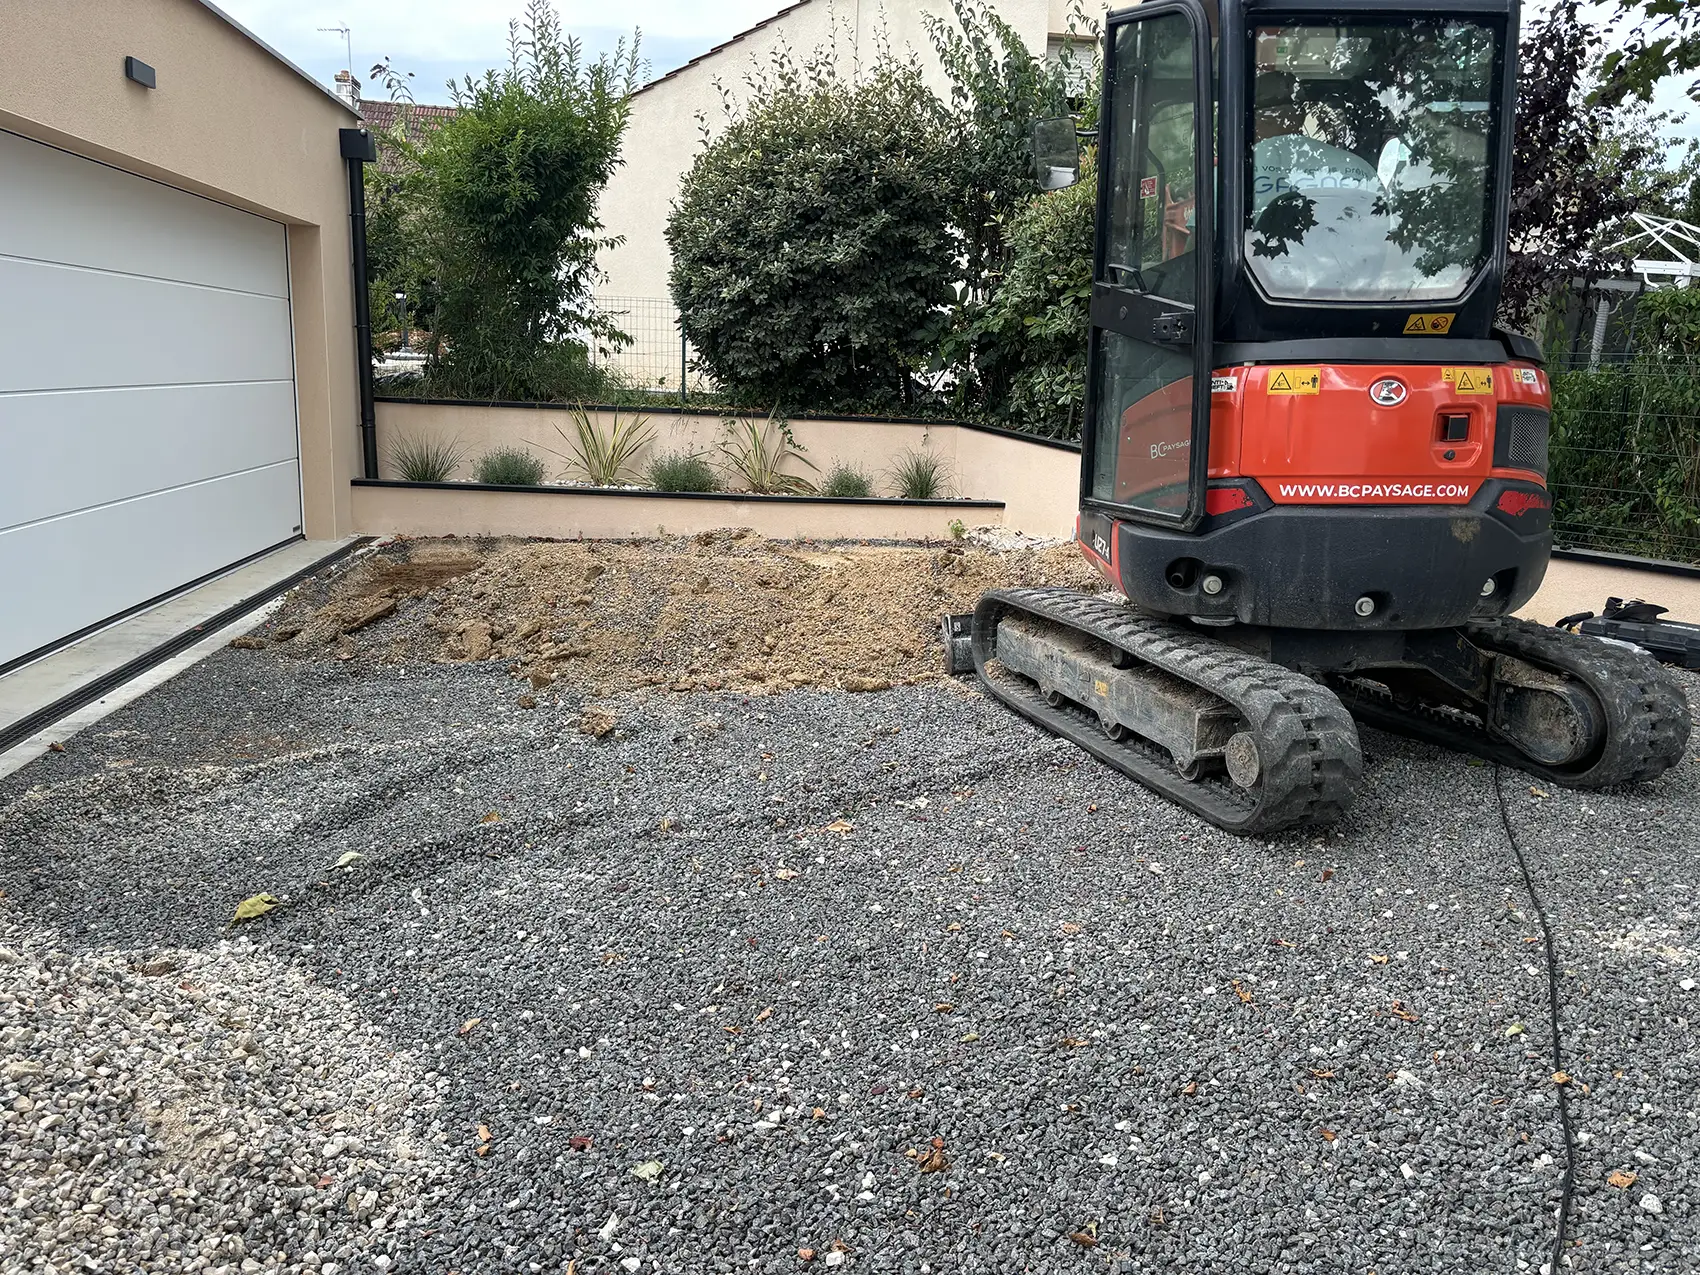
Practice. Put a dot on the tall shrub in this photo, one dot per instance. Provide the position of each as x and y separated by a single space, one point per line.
508 192
1031 339
812 253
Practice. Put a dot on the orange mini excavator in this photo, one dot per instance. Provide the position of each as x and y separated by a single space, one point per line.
1312 466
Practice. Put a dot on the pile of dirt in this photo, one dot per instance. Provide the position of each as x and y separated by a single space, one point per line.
726 610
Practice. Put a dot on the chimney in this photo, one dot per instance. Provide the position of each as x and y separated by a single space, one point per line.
348 89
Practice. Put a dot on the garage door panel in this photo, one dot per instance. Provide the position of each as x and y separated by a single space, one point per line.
59 207
93 447
68 573
84 328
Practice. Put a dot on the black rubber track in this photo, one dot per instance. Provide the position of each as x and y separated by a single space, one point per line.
1646 713
1307 742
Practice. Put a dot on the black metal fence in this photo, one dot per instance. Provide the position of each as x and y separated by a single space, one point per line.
658 357
1625 469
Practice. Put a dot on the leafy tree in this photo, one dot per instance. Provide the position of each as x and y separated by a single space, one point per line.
1568 165
1031 338
1667 42
810 239
998 90
507 210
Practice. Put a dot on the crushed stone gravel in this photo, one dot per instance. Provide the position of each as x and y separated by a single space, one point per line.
893 977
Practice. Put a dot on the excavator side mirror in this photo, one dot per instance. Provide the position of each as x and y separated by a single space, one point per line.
1056 153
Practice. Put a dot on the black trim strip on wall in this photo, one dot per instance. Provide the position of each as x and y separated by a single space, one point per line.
725 497
99 687
1629 562
659 409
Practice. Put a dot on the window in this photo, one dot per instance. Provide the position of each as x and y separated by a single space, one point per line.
1370 166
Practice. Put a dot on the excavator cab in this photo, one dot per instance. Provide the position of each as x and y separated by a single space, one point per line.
1313 470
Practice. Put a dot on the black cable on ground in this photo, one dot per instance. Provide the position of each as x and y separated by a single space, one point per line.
1569 1187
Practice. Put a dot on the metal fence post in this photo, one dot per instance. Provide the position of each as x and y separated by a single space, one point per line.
681 366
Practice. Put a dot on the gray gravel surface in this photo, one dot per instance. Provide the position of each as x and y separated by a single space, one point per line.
1092 1015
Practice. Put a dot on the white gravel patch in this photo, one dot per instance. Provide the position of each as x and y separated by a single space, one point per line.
199 1111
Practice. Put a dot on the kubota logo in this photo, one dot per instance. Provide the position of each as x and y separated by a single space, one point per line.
1388 392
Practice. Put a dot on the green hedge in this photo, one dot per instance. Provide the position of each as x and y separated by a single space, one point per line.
1625 473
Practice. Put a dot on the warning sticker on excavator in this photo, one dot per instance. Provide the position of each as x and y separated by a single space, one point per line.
1295 380
1429 324
1224 384
1148 188
1468 380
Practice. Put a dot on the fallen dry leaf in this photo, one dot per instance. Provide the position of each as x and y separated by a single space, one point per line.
56 747
735 1031
1328 1135
468 1025
492 817
1245 996
839 825
917 1093
1401 1013
1322 1074
1327 874
255 905
765 1015
1070 927
1075 1042
943 1007
1621 1180
1537 792
1190 1088
953 927
1084 1238
787 874
820 1113
1375 958
1516 1029
805 1255
934 1160
1561 1077
579 1142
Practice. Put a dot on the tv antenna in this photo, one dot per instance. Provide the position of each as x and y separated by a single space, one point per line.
347 44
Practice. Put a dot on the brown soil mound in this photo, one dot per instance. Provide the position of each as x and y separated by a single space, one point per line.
725 611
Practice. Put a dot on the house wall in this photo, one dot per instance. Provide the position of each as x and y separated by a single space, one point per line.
229 121
664 134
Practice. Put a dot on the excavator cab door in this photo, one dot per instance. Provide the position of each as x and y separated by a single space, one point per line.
1146 445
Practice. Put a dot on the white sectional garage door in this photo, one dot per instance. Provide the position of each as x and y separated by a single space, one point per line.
147 392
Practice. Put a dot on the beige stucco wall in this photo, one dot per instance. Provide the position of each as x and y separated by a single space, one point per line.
228 121
1037 484
440 511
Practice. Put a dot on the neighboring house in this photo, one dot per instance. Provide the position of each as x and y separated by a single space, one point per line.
416 120
664 134
176 303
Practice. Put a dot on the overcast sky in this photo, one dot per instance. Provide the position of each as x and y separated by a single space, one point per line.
440 39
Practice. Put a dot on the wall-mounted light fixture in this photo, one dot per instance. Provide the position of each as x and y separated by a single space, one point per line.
139 71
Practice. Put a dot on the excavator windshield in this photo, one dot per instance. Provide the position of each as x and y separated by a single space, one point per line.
1370 165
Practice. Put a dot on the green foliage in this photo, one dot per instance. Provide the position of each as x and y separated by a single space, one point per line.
1667 325
506 209
1665 41
845 481
957 528
1030 342
605 458
921 475
756 452
509 467
682 471
811 250
425 460
998 88
1625 473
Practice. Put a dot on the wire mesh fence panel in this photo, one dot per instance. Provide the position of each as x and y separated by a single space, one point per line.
657 356
1625 475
